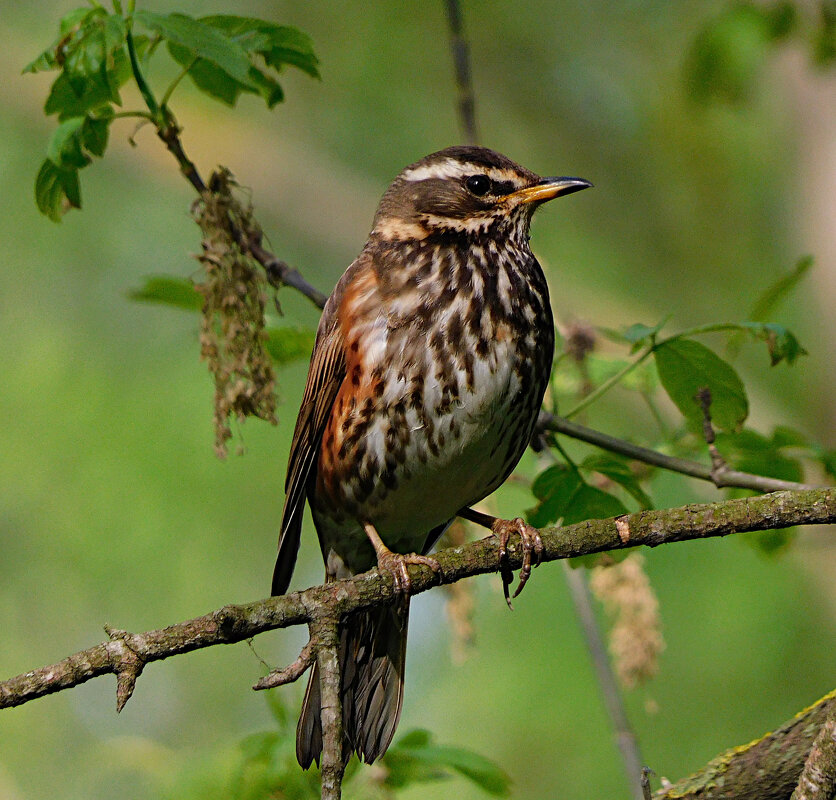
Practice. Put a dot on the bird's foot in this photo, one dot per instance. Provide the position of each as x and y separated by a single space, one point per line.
398 565
532 544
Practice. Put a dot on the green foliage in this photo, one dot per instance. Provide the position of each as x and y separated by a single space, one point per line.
686 367
564 495
415 758
97 53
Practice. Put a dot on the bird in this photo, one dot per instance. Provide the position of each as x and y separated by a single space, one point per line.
427 375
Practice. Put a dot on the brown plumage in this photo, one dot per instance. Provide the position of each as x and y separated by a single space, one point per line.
427 375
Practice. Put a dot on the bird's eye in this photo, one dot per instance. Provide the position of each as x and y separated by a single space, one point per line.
478 184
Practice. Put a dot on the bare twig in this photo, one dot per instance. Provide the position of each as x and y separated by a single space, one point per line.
292 672
236 623
625 735
722 479
464 78
718 463
818 778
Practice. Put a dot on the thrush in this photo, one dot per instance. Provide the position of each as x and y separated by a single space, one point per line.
427 375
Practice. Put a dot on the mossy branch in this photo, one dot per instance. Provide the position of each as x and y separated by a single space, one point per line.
768 768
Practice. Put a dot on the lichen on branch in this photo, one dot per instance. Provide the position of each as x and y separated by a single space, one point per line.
234 291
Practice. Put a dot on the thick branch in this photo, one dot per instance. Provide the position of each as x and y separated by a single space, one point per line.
236 623
818 778
720 475
766 769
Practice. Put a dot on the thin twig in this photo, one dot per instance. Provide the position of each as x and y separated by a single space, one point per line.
721 479
232 624
818 778
464 77
625 736
292 672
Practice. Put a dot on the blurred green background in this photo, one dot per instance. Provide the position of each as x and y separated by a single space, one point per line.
113 508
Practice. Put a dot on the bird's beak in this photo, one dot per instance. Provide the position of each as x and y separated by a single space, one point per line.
547 189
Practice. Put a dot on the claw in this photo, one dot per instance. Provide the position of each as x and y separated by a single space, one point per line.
398 565
531 544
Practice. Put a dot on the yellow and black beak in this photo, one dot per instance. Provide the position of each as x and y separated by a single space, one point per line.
547 189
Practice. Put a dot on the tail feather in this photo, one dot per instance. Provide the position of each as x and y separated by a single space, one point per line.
372 660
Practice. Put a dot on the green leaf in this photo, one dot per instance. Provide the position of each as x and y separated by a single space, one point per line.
94 134
278 44
618 470
56 190
640 335
204 41
70 29
782 344
415 759
288 344
72 95
554 488
268 48
563 494
169 291
750 451
64 149
685 367
771 543
207 77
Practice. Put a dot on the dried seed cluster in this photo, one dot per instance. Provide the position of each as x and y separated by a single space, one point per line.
636 635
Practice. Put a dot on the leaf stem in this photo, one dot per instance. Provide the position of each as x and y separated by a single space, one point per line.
144 88
608 384
176 82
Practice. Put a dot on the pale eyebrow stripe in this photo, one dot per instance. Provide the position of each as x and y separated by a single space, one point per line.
456 169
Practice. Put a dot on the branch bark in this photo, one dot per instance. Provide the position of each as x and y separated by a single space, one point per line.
235 623
766 769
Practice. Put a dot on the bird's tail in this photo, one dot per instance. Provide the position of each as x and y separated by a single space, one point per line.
372 656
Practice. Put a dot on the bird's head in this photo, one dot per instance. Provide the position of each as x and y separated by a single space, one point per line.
464 190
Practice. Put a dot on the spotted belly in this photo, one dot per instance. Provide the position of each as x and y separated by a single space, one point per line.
408 452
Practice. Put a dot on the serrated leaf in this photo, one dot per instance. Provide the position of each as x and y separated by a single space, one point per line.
204 41
618 470
278 44
685 368
289 344
163 289
73 96
56 190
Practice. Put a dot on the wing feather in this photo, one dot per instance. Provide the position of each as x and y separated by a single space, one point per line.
325 376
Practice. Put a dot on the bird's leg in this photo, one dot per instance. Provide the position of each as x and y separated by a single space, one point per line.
502 529
397 563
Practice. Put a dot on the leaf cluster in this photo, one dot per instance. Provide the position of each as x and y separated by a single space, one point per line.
98 52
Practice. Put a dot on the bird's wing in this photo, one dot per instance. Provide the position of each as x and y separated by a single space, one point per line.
325 376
